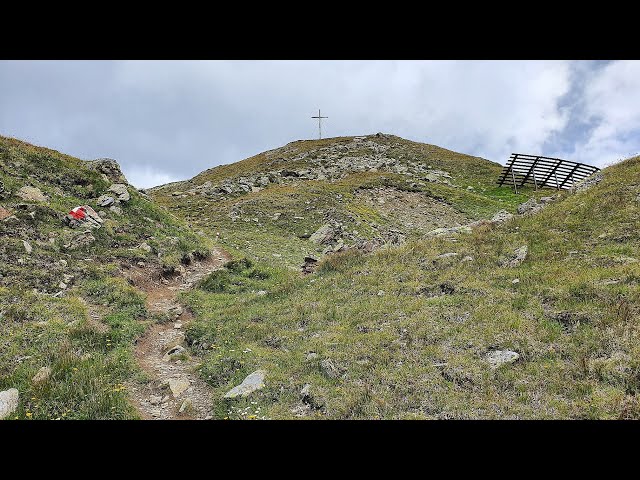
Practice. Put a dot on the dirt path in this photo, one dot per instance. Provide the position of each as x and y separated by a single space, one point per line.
175 390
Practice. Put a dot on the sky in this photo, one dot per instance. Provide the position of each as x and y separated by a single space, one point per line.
169 120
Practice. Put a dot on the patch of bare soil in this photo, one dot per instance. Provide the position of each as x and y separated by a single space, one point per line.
175 391
411 210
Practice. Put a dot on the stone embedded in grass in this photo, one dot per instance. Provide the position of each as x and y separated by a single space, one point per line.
253 382
27 246
8 402
32 194
178 386
500 357
323 235
449 231
42 376
81 240
517 257
330 369
501 216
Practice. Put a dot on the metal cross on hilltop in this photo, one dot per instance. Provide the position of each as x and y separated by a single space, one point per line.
319 117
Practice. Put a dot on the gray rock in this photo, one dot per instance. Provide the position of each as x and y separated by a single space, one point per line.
32 194
8 402
145 246
447 255
530 206
330 369
588 182
109 168
115 209
27 247
519 255
253 382
173 353
500 357
42 376
155 399
121 190
186 405
81 240
323 235
312 356
501 216
178 386
449 231
105 200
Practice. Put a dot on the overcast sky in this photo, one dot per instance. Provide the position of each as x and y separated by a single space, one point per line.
169 120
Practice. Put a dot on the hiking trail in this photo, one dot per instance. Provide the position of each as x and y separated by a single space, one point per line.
174 391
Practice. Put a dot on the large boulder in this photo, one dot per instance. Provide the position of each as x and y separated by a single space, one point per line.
109 168
8 402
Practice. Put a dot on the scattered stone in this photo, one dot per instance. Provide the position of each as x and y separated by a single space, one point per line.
530 206
468 258
330 369
32 194
515 281
42 376
380 293
518 256
115 209
588 182
105 201
177 325
501 216
27 247
186 405
447 255
312 356
500 357
83 239
121 190
8 402
141 264
145 246
323 235
62 285
449 231
253 382
155 399
178 386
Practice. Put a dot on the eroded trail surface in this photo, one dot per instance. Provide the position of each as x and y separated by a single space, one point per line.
175 390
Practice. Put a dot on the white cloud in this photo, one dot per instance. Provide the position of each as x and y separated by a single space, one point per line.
612 99
145 177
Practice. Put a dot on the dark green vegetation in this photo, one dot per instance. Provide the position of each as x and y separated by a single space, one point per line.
401 333
83 331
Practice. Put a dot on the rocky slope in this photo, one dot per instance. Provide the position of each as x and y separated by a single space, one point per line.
320 196
68 317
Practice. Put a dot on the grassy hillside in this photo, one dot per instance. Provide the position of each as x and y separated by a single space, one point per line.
406 332
374 187
63 303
